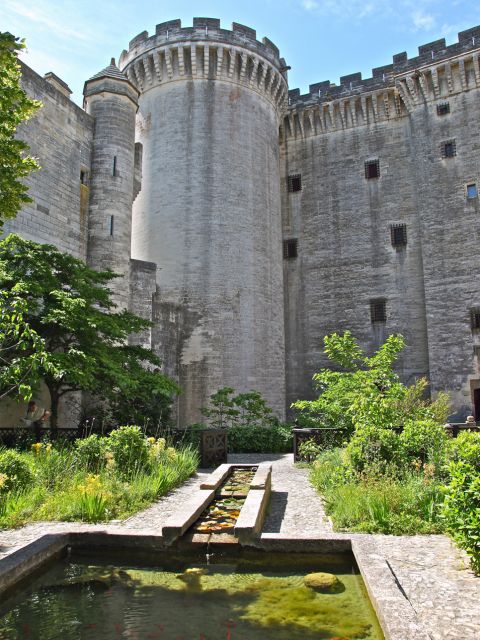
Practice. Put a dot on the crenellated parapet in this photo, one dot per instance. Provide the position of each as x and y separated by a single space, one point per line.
393 91
205 51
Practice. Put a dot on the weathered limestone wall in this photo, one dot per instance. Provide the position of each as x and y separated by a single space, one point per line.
345 256
60 136
208 215
342 220
450 240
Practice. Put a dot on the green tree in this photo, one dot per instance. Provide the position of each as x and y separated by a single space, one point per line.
22 350
367 392
221 411
15 107
69 306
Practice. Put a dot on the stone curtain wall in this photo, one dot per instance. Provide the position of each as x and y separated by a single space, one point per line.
60 136
342 220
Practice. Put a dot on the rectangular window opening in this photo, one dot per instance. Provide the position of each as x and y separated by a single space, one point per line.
290 248
398 233
449 149
114 173
372 169
472 191
443 108
475 318
378 310
83 176
111 225
294 183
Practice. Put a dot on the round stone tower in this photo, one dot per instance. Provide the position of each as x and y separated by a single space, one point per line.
208 213
112 100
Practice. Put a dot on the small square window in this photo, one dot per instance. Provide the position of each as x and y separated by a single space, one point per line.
83 176
290 248
475 318
472 191
295 183
378 310
443 108
449 149
372 169
398 233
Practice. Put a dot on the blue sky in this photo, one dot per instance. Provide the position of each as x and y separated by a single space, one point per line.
320 39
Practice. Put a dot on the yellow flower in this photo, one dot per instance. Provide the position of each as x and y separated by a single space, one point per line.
36 448
48 447
151 440
161 442
171 453
3 479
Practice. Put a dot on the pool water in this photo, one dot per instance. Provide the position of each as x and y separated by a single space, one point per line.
254 596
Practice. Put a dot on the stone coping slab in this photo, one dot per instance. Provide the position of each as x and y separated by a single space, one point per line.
262 478
262 475
186 514
396 615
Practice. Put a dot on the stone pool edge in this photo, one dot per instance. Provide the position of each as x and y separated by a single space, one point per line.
395 613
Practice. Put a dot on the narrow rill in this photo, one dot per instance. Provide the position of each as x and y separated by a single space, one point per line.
222 513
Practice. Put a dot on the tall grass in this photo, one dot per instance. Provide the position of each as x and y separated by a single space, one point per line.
66 490
377 504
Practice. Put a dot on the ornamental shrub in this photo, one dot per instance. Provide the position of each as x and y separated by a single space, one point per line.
253 439
461 508
466 448
372 448
14 472
130 449
424 440
90 452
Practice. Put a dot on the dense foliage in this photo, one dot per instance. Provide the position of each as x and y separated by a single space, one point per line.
251 423
461 508
366 392
248 409
67 312
397 471
253 439
89 481
15 107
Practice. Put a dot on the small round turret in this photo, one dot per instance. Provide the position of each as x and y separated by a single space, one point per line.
112 100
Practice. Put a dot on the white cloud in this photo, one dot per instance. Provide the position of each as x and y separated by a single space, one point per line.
422 21
42 17
309 5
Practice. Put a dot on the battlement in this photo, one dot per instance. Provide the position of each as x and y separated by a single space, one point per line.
203 29
382 77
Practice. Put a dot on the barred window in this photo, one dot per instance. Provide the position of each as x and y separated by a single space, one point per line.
378 310
398 233
449 149
290 248
475 318
372 169
295 183
443 108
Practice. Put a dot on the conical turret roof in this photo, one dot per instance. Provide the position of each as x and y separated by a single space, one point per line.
112 71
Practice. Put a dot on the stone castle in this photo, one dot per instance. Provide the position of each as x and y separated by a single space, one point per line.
248 221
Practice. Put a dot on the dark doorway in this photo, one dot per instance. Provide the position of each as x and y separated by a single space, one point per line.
476 404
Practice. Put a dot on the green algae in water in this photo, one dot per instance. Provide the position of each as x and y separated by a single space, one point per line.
254 598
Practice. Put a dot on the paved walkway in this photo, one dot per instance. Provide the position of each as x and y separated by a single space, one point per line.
431 571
